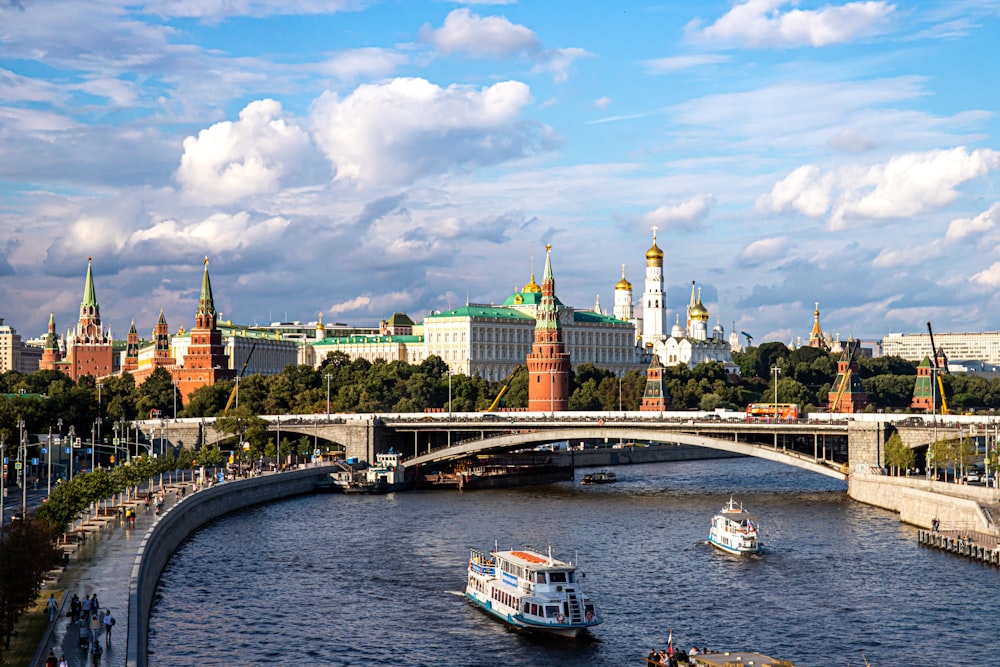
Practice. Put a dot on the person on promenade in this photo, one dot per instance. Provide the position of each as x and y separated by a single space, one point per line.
95 606
109 622
85 609
51 660
63 662
52 607
74 608
95 655
95 627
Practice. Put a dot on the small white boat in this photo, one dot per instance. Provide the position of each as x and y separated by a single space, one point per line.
734 530
532 591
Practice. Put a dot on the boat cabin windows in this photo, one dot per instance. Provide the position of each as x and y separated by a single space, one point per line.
551 610
560 577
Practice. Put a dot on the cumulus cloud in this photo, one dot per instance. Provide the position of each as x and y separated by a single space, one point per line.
763 24
765 250
368 62
398 131
464 31
989 277
685 215
903 186
603 102
961 228
254 155
357 303
896 256
559 61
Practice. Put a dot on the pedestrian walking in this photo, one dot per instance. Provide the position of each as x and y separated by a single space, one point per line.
109 622
53 606
74 608
85 609
95 655
63 662
95 606
51 660
95 627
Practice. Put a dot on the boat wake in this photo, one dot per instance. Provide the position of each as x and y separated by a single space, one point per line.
460 594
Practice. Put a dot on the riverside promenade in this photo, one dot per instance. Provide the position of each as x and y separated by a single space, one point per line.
101 564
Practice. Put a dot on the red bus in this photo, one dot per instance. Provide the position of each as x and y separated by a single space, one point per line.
770 412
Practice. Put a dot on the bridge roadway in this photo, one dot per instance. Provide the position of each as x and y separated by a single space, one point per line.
822 442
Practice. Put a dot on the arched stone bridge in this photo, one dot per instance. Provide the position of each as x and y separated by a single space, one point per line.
821 445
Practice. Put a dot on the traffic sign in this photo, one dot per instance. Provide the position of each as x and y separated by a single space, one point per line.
45 450
116 441
67 450
112 458
77 443
34 461
17 465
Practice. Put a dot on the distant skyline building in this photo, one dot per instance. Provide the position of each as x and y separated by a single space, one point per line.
984 346
14 354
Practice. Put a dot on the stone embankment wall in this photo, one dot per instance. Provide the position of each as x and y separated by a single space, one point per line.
185 517
918 501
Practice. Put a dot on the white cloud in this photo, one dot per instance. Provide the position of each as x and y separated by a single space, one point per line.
357 303
121 93
677 63
684 215
232 160
765 250
481 37
989 277
761 23
401 130
17 88
558 61
602 102
961 228
217 9
368 62
901 187
896 255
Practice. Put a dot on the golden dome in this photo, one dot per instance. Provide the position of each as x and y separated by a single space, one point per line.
623 284
532 286
699 311
654 253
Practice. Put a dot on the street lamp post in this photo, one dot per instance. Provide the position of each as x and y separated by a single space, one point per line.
59 425
327 377
552 392
776 371
71 438
449 392
173 387
23 451
3 476
277 444
48 458
620 394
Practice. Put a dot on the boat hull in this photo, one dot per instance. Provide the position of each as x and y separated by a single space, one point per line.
736 551
564 630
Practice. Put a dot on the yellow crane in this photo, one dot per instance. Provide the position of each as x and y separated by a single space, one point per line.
236 387
503 391
934 365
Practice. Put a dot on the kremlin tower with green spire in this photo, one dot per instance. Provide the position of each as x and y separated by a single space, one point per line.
548 362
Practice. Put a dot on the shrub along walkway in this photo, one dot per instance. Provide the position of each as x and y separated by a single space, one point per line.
101 564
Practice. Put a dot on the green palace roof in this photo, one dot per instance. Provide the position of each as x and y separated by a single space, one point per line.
527 299
361 339
595 318
484 312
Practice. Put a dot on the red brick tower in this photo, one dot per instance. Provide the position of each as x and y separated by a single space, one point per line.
655 398
847 393
131 362
161 335
206 361
90 351
51 358
548 362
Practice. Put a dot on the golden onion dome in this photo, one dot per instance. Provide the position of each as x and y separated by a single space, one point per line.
699 311
532 287
623 284
654 253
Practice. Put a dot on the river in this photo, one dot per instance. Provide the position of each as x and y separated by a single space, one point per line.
378 580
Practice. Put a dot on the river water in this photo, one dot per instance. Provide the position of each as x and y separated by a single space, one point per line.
378 580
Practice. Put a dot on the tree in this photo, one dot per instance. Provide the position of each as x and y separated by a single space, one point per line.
156 393
897 455
27 552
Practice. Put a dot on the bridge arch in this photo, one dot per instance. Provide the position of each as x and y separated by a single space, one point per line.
523 440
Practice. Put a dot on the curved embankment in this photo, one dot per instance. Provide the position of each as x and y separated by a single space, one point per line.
184 518
920 501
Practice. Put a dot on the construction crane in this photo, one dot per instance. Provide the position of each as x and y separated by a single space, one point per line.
845 383
934 365
503 391
748 337
236 387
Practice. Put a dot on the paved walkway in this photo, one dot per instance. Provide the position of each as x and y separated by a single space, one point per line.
102 565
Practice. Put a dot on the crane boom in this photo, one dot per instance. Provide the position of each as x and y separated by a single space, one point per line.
503 391
934 364
236 387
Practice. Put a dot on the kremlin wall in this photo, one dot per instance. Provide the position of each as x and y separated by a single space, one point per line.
487 340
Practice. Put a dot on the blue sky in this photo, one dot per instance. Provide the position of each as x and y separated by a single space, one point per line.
360 158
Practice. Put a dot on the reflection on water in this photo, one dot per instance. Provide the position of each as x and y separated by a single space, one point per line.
376 580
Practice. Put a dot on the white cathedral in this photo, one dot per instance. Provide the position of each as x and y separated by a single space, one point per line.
689 345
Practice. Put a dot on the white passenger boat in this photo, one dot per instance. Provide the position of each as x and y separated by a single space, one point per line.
734 530
530 590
